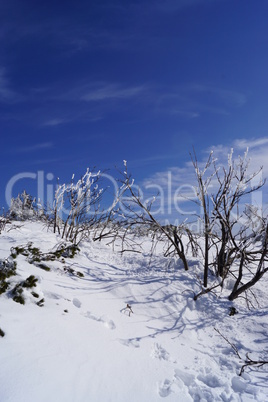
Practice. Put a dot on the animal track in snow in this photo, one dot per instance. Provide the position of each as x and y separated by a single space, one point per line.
103 319
158 352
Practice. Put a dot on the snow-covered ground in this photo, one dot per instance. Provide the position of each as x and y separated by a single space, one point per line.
85 345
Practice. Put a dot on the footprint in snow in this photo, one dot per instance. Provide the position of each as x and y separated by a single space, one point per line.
198 388
77 303
210 380
164 388
107 323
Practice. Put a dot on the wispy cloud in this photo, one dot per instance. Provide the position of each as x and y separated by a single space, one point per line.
232 97
150 160
70 36
6 94
34 147
55 122
112 91
251 143
193 100
93 100
173 5
73 117
185 113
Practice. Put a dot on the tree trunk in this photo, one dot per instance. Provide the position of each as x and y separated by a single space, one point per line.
237 292
180 249
221 258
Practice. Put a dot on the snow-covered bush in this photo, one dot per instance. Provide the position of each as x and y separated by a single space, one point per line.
24 207
7 268
76 207
3 222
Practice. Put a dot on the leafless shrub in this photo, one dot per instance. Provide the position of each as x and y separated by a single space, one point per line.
138 214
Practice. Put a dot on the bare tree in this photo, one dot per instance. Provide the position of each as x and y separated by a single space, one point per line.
234 184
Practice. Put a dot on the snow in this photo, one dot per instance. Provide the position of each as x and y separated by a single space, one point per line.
84 344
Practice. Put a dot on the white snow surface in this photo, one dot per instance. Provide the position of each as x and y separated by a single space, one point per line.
83 345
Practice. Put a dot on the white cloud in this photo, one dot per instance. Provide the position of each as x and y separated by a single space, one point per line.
257 152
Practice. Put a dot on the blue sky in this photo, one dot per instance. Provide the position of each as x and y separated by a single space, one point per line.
90 83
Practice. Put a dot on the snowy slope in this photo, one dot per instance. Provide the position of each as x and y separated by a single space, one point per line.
83 345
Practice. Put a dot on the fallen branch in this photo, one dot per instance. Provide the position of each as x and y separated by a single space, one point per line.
250 362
